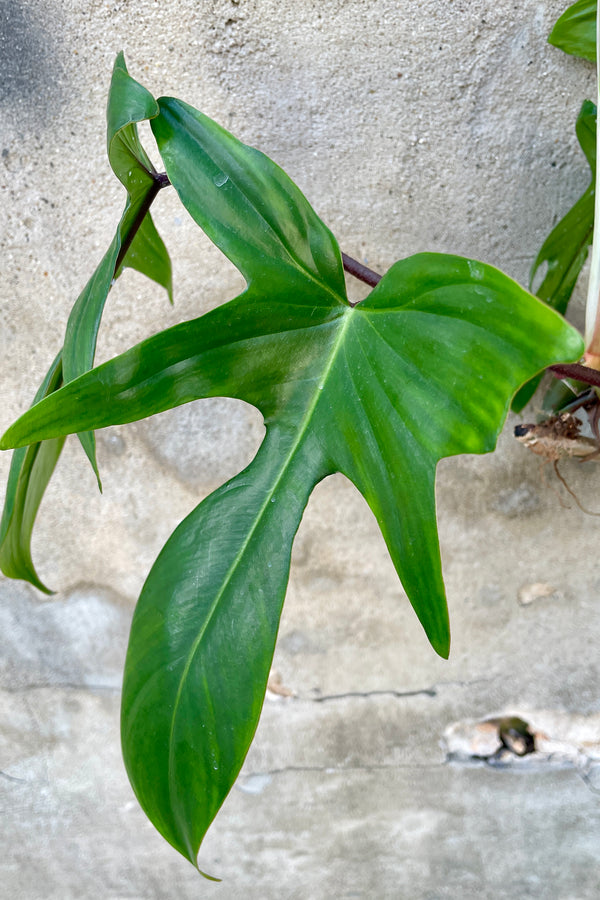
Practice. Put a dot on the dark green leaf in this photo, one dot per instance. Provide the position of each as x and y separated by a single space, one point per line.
566 248
575 31
561 393
424 368
30 472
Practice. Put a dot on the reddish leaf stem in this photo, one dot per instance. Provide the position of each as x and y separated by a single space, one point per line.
354 267
577 372
160 180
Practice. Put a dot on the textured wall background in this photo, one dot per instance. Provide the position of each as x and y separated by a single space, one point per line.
411 126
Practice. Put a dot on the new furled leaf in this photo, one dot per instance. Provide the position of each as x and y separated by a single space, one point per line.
424 368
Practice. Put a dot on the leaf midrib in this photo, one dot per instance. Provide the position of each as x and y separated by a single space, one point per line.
302 429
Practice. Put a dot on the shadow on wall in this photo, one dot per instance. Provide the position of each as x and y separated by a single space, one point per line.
30 75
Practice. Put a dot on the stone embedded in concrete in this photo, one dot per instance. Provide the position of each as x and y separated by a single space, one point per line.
539 590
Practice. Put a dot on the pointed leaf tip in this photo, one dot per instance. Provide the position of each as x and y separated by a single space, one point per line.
442 647
207 876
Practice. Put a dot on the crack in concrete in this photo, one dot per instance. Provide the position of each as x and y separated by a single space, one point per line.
557 741
549 764
422 692
432 691
585 777
334 770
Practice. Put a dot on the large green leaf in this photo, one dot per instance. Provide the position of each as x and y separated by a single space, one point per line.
136 242
30 471
424 368
575 31
565 250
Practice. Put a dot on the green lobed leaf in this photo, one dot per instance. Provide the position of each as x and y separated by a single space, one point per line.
30 471
565 250
575 31
424 368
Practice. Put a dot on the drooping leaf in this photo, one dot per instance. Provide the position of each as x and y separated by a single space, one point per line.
135 244
30 471
424 368
565 250
575 31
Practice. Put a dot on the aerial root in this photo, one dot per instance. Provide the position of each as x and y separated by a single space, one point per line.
560 477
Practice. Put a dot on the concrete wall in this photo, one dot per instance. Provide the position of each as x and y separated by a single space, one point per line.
410 125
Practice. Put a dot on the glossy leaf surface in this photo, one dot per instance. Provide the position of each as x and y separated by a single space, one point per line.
575 31
566 248
424 368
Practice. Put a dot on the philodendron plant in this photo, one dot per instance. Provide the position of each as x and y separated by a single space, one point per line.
424 368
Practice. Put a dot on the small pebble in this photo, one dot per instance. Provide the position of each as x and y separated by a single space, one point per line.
539 590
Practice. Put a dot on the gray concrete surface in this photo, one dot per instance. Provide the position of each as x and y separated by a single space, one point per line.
410 126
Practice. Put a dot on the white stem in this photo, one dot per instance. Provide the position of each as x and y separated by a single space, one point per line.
591 314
